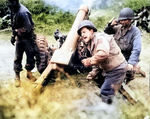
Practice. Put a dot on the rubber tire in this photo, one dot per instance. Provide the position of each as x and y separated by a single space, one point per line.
43 59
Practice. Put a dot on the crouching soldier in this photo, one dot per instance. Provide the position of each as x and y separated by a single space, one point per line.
23 35
107 55
128 38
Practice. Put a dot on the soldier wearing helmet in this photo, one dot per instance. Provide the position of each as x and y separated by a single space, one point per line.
106 54
128 38
23 35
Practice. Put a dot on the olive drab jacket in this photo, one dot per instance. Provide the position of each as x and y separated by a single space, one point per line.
22 21
129 41
105 52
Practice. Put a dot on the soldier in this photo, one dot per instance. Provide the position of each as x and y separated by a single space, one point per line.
128 38
107 55
23 35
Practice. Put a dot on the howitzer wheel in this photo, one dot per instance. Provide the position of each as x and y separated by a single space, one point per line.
44 53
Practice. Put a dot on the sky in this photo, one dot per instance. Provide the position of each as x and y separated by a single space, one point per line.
70 5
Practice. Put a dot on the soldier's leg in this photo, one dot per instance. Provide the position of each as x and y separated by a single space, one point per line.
101 78
130 75
17 61
112 83
30 62
18 56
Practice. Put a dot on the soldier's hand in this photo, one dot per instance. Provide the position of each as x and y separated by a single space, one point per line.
114 22
130 67
15 32
12 40
86 62
89 76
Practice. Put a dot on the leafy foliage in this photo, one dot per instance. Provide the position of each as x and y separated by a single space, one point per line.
37 6
136 4
100 22
3 8
47 23
4 23
47 18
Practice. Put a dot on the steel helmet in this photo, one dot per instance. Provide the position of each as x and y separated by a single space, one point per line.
86 23
126 13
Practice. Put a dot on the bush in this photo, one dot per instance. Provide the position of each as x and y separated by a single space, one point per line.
102 21
3 8
47 23
47 18
136 4
4 24
34 6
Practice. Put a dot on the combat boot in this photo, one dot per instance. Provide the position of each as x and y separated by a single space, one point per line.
30 76
107 99
139 71
142 73
17 79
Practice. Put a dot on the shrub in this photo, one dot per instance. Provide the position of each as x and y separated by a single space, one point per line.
136 4
3 8
47 18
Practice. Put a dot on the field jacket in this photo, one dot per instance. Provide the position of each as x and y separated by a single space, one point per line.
129 41
22 21
105 52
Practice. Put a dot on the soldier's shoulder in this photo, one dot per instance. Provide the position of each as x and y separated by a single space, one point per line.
104 36
23 9
135 28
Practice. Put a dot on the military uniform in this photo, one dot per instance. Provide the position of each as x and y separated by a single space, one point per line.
129 41
25 42
107 55
128 38
25 38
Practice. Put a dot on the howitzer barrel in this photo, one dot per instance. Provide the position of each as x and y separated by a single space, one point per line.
63 55
72 37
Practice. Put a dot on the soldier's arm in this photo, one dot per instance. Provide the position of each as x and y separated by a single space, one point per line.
102 52
111 27
26 25
100 56
95 59
136 50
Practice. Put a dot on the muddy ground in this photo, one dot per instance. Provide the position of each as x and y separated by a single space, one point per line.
61 99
